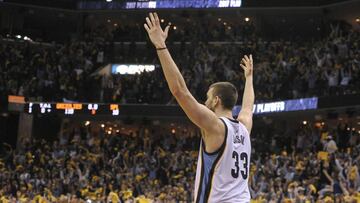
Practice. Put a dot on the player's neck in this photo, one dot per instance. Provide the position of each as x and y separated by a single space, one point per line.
223 113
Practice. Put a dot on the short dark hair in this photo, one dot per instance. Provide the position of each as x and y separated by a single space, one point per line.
227 92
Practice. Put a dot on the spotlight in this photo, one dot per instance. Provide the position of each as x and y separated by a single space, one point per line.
27 38
247 19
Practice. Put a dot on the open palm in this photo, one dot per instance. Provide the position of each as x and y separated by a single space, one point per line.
156 33
247 65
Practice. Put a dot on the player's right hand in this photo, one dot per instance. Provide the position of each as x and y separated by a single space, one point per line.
247 66
156 33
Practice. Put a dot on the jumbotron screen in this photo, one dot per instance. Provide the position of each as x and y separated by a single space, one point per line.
91 5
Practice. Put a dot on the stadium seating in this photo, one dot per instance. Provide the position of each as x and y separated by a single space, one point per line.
283 69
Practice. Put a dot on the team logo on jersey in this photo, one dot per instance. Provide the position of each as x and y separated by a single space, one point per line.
239 139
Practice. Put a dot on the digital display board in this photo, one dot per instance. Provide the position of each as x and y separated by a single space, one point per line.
93 109
153 4
282 106
72 108
131 69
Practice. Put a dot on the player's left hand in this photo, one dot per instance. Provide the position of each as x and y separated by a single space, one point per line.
247 66
156 33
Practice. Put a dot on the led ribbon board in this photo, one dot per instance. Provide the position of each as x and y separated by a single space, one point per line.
129 69
144 4
93 109
72 108
282 106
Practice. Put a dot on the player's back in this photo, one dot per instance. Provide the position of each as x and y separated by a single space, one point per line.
222 176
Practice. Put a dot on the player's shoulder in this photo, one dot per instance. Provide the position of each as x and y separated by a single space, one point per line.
218 127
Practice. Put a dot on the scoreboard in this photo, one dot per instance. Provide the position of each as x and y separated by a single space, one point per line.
72 108
93 109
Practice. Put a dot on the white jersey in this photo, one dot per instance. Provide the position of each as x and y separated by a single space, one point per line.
222 176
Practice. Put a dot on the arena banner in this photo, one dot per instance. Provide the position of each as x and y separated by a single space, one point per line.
131 69
282 106
152 4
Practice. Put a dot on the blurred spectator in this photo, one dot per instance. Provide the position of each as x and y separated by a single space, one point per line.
330 145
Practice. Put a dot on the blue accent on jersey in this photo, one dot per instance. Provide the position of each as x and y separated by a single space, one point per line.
209 160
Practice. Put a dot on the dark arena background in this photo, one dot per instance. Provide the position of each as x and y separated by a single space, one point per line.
86 114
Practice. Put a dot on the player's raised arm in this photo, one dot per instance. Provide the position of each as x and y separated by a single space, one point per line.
197 113
245 115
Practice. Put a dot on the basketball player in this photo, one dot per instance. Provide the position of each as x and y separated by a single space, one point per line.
224 156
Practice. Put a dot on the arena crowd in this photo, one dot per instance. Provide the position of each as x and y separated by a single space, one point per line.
313 163
284 69
154 165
